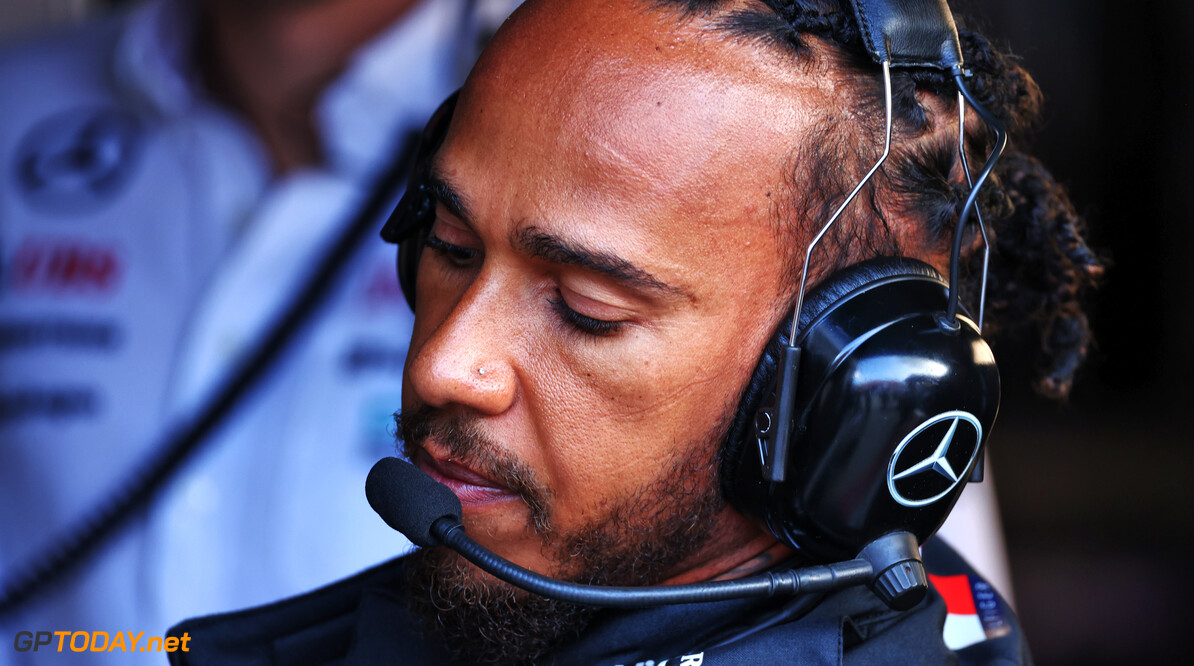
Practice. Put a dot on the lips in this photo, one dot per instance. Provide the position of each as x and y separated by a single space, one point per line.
469 485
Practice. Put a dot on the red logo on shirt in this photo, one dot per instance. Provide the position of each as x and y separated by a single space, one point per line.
61 266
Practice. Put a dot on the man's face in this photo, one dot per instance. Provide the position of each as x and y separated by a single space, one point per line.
602 274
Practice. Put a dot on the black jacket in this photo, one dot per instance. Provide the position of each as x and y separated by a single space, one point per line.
362 620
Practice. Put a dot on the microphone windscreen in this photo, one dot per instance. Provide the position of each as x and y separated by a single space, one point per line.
409 500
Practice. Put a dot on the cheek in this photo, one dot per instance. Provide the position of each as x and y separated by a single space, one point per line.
632 378
616 413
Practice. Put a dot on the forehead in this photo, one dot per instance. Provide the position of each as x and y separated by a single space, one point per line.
628 120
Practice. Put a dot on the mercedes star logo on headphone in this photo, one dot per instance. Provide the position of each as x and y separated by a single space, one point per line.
935 463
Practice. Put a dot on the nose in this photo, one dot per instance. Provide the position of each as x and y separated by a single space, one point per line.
468 358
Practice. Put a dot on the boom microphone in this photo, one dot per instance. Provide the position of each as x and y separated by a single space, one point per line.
409 500
429 514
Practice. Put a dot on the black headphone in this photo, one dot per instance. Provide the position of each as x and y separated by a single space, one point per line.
873 418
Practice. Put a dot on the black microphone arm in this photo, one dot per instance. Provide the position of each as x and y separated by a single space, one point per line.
429 514
804 580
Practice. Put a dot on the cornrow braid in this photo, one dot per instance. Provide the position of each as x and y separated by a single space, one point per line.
1041 266
823 19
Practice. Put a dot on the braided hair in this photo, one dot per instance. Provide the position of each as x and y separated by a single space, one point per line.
1040 265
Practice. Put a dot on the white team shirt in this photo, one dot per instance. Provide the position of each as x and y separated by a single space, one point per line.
146 248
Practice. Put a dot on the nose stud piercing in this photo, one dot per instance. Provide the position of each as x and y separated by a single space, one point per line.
481 371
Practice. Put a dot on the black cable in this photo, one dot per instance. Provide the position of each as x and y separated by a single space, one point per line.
955 257
82 540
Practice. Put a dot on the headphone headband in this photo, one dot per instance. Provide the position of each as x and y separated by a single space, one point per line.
909 33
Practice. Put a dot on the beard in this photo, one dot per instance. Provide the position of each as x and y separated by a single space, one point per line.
482 620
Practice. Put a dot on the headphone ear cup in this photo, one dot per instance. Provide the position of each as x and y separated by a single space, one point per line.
761 387
881 373
409 252
412 218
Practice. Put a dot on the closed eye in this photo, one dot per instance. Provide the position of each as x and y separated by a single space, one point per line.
583 323
461 257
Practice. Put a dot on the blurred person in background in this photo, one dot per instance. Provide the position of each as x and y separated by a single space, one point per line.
172 175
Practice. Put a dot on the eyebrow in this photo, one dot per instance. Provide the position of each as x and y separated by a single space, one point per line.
550 247
449 198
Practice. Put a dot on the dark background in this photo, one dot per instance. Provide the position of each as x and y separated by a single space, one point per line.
1096 493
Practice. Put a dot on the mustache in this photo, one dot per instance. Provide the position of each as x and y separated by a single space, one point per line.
459 434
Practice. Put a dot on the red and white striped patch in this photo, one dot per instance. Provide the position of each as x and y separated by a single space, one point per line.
975 611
